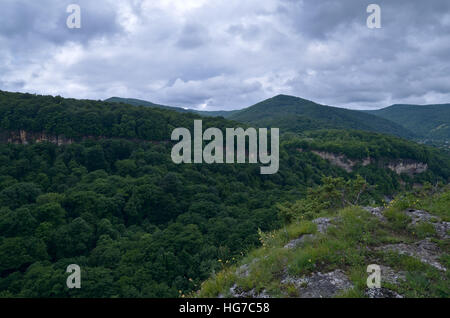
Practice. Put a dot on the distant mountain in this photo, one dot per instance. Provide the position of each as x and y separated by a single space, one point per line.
139 102
95 182
428 121
293 114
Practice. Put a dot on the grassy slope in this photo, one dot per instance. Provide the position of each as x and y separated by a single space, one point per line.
349 246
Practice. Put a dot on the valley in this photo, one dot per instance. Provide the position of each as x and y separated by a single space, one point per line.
92 183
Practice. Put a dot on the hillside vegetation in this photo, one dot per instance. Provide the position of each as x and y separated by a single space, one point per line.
324 250
138 224
293 114
77 118
430 122
139 102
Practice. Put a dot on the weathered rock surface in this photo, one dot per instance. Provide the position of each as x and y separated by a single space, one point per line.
319 285
300 241
322 224
381 293
24 137
418 216
341 160
400 166
377 212
244 270
425 250
332 284
408 166
391 276
238 292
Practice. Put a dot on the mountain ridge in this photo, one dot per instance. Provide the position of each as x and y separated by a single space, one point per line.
140 102
295 114
428 121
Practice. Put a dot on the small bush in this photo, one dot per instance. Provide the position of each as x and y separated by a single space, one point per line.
423 230
398 219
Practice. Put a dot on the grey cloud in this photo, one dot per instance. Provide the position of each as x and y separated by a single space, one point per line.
248 33
193 36
45 20
229 53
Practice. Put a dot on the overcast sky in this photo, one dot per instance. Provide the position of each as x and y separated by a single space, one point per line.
229 54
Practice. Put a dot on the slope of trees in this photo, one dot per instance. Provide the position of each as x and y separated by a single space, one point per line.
297 115
77 118
137 224
428 121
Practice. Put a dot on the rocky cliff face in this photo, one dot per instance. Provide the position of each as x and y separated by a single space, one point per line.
400 166
341 160
408 166
23 137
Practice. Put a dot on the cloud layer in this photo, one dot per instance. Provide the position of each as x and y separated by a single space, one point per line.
229 54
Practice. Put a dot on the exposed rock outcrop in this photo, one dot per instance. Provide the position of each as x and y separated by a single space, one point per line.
381 293
23 137
408 166
322 224
300 241
320 285
391 276
426 251
327 284
238 292
377 212
399 166
418 216
341 160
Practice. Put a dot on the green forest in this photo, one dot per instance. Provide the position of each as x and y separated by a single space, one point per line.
138 225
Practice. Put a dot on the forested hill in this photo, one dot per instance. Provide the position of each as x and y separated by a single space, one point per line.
295 114
428 121
139 225
77 118
139 102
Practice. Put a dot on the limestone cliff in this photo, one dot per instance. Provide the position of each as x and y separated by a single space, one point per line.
23 137
399 166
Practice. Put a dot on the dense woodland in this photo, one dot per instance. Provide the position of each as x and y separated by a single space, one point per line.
139 225
294 114
429 122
